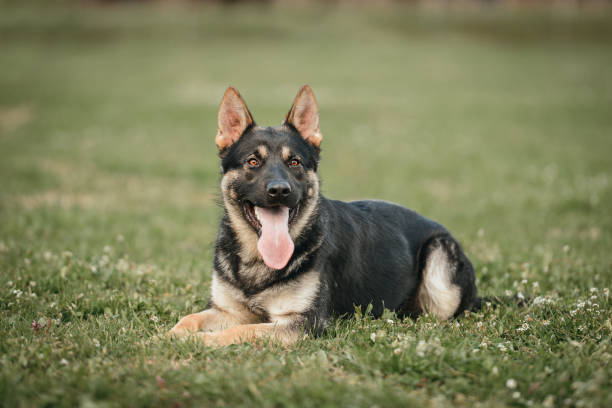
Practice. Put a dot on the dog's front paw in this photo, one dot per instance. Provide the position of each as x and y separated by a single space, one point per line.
187 325
179 332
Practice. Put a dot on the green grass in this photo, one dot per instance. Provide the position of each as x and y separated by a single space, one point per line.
498 124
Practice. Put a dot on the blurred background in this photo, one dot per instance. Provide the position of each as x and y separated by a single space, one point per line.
492 117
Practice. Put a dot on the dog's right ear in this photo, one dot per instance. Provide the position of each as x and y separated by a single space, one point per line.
233 119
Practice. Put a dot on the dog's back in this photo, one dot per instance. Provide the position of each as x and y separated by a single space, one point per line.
371 254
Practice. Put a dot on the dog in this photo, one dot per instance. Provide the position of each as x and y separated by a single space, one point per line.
288 260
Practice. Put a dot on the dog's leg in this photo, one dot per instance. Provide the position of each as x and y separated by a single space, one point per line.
278 332
212 319
447 278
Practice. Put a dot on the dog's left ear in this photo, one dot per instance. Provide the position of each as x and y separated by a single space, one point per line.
304 116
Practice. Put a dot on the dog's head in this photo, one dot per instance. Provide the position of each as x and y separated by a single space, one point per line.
269 185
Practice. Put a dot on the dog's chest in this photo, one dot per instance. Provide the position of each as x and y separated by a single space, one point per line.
279 302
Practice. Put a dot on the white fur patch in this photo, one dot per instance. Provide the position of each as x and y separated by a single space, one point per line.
437 294
284 300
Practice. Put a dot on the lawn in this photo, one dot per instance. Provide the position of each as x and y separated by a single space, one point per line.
496 123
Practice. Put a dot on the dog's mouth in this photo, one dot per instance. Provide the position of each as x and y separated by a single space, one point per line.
251 214
272 225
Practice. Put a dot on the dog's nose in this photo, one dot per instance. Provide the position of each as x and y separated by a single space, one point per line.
278 189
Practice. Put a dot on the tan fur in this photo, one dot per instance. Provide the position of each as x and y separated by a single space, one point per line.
307 211
245 233
250 333
230 299
285 153
256 272
231 319
263 151
229 309
437 294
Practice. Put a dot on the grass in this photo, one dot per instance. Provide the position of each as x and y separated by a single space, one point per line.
495 123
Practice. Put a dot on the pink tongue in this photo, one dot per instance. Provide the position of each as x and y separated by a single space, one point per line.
275 244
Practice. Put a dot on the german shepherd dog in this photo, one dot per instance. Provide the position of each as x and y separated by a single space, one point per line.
287 259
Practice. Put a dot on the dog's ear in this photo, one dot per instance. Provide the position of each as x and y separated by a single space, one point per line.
304 116
233 119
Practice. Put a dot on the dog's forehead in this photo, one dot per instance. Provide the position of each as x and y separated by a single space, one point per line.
275 139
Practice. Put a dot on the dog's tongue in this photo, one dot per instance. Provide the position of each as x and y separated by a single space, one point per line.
275 244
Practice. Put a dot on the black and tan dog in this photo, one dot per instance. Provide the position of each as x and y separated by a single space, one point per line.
288 259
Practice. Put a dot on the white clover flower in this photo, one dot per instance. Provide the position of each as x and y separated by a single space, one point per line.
373 337
421 348
524 327
511 383
549 401
516 395
123 265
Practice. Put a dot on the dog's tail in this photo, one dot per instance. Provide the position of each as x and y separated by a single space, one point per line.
496 301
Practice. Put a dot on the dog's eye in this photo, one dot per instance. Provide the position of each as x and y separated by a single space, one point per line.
253 162
294 162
